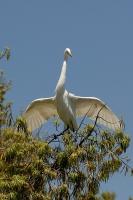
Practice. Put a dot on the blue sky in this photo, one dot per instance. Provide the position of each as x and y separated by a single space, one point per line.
100 36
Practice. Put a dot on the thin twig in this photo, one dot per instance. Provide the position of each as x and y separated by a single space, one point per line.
82 141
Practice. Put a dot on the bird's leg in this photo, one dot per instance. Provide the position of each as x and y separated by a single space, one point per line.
72 126
66 127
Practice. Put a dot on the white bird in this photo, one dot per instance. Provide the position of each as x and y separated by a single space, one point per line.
68 107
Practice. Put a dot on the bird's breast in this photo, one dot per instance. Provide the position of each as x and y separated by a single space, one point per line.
64 107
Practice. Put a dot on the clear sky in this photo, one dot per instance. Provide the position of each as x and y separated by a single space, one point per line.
100 36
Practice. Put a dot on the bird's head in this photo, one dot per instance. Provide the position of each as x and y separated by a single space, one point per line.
67 52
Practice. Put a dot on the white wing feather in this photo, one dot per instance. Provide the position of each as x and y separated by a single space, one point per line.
94 108
39 111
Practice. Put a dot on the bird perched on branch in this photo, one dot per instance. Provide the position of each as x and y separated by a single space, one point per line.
68 107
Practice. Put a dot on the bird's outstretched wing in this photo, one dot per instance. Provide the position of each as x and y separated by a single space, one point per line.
94 108
39 111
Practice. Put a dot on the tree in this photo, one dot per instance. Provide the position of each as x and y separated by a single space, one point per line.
62 166
108 196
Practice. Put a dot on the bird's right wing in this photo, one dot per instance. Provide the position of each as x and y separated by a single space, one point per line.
39 111
95 109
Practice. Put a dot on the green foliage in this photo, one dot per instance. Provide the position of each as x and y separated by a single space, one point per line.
61 167
5 107
23 165
6 53
108 196
71 170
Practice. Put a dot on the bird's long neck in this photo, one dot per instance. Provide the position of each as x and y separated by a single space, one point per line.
60 88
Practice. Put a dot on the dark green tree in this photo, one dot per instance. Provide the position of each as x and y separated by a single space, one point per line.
62 166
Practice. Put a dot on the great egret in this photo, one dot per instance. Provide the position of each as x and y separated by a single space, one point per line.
67 107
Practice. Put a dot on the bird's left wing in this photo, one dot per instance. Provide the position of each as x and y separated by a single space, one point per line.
94 108
39 111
